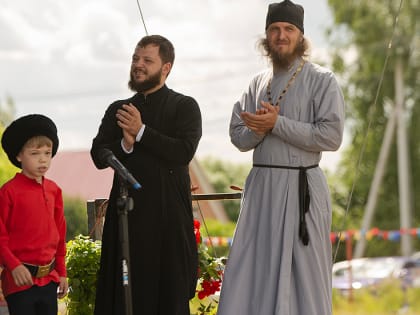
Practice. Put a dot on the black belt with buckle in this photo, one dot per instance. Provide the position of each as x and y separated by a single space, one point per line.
40 271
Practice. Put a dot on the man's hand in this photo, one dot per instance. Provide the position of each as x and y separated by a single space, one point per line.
129 119
263 121
22 276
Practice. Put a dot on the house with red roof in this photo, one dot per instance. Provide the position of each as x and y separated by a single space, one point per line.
78 177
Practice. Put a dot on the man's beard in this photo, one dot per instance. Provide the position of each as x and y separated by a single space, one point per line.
146 85
283 60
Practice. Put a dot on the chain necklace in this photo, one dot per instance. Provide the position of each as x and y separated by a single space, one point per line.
270 100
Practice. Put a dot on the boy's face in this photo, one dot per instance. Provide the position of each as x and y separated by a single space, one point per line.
35 160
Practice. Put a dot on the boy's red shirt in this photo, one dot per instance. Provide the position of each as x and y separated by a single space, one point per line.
32 229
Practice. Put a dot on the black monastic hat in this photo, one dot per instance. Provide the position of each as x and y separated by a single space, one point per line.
285 11
24 128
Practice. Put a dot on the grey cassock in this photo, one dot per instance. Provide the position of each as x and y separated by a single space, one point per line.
269 270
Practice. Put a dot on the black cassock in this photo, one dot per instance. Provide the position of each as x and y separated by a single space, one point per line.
163 251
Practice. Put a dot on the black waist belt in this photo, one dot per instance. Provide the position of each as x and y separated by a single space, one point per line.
303 196
40 271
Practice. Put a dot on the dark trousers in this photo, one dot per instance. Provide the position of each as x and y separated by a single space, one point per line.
34 301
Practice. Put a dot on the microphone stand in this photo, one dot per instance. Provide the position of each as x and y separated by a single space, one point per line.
125 204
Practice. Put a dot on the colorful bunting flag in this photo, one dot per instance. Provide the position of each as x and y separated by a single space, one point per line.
374 233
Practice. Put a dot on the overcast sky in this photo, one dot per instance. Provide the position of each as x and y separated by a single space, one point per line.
70 59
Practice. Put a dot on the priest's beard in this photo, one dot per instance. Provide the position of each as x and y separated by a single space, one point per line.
284 60
142 86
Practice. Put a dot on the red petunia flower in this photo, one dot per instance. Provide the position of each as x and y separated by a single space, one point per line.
210 269
197 231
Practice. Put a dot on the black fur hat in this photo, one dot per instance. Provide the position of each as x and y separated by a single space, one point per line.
285 11
25 128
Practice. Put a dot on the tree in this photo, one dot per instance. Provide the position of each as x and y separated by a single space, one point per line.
222 175
7 113
7 169
76 217
366 28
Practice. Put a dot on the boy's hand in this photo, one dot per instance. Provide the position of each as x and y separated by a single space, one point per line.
22 276
63 288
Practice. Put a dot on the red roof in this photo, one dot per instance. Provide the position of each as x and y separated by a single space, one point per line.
78 177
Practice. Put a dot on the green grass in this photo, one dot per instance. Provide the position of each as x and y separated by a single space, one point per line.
385 299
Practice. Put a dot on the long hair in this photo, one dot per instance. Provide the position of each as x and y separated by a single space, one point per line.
302 49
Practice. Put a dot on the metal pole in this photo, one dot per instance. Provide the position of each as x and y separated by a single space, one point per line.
376 182
404 188
349 257
124 205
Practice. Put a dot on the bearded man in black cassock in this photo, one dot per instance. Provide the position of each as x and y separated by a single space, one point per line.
155 135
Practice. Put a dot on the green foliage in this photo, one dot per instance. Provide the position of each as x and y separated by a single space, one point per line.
7 111
76 217
215 228
222 175
210 271
366 28
83 259
8 170
206 306
386 298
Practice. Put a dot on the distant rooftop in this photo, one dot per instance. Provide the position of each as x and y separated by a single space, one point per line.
78 177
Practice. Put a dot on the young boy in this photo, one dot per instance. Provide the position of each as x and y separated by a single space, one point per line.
32 223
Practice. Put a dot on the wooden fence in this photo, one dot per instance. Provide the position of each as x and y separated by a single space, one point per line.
96 210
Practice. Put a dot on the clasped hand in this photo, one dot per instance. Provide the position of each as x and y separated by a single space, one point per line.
264 119
129 119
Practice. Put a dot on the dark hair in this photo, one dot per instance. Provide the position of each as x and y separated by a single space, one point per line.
166 49
302 49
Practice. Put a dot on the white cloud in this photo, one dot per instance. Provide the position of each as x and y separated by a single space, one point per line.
70 59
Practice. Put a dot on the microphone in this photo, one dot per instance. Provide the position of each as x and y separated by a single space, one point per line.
109 158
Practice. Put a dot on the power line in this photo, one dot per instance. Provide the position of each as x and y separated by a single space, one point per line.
142 18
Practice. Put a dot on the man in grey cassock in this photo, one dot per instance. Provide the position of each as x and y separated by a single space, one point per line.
280 261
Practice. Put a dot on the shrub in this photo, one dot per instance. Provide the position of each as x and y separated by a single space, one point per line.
83 259
76 217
